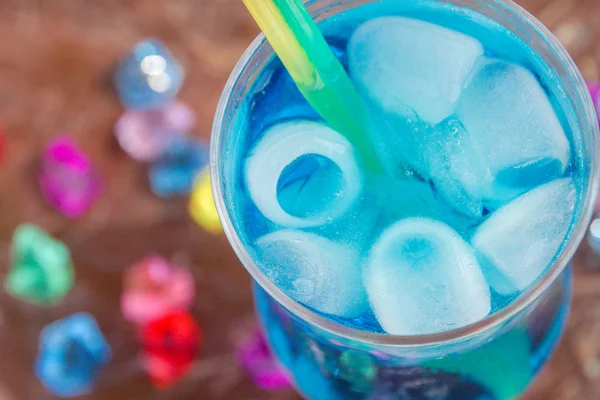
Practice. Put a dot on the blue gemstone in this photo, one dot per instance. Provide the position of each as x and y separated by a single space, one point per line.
148 77
175 171
71 353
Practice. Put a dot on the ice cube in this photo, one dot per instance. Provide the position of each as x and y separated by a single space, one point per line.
422 277
315 271
413 152
397 139
321 179
519 241
404 63
456 168
515 129
411 197
443 154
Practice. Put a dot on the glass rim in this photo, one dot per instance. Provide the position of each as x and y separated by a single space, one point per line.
493 320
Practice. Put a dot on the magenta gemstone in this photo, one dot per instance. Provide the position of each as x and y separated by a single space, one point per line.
256 359
594 88
143 134
154 288
68 179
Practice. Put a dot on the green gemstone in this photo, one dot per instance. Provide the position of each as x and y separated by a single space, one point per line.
41 270
358 369
501 365
359 362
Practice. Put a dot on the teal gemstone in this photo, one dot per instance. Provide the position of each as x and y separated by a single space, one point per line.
41 269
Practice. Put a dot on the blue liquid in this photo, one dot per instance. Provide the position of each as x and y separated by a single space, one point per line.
321 367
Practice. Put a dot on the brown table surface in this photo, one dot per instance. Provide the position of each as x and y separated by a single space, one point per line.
56 60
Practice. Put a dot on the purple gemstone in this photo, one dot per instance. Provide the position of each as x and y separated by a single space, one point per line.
143 134
68 179
594 88
256 359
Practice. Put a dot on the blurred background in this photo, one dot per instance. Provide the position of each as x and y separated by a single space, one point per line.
57 59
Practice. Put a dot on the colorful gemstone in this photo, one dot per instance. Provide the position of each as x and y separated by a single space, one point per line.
594 88
68 180
2 143
153 288
148 77
170 346
175 171
202 204
256 359
41 270
143 134
72 352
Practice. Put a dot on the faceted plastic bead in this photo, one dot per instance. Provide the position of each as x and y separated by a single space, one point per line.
68 179
148 77
71 353
41 270
2 143
170 345
153 288
202 204
175 171
256 359
594 88
143 135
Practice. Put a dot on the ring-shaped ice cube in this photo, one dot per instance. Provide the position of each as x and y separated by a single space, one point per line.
314 270
403 63
422 277
283 144
519 241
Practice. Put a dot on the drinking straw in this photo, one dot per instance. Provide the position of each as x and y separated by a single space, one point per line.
318 74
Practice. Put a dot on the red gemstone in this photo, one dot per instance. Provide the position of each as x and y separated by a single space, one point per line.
164 373
170 346
2 143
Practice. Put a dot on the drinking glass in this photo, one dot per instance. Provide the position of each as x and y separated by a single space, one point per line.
495 358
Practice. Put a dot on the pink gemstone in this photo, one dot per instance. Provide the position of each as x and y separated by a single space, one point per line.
68 179
153 288
256 359
594 88
143 134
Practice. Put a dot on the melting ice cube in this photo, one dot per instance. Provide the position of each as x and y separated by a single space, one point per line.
456 168
315 271
302 173
519 241
422 277
513 126
442 154
403 63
